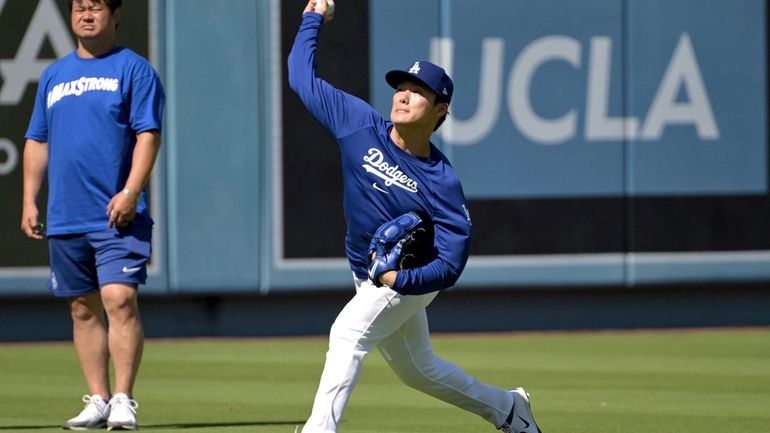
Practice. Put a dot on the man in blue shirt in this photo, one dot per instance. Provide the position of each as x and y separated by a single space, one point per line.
389 168
95 134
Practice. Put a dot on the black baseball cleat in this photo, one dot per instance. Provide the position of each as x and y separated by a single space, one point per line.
520 420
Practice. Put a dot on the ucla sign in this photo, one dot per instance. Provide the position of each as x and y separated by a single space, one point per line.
596 98
682 72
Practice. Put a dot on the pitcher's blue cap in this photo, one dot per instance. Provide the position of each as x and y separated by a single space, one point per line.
427 73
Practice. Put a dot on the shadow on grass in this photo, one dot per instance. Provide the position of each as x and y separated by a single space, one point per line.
172 426
194 425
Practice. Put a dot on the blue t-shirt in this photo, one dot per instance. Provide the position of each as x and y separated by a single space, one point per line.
381 181
89 111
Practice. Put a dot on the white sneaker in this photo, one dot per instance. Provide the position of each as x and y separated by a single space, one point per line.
520 420
93 416
122 413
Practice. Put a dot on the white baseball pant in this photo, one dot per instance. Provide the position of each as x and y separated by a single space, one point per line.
398 326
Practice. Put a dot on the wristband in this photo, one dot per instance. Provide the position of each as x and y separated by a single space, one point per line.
132 195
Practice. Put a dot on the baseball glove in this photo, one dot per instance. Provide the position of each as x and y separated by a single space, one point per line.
402 243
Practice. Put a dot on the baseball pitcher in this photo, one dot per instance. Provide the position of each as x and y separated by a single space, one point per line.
408 236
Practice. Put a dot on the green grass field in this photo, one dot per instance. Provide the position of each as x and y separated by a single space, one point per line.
619 382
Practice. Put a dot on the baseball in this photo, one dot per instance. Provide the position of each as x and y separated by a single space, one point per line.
329 8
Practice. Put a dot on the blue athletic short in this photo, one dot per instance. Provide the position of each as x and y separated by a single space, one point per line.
82 263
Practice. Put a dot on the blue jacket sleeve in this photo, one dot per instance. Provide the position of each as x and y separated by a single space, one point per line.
338 112
452 241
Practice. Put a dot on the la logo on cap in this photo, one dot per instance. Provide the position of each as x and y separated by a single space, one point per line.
415 69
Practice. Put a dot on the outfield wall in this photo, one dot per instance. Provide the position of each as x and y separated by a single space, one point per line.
42 318
602 143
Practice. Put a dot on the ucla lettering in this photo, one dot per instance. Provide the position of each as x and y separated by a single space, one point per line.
682 73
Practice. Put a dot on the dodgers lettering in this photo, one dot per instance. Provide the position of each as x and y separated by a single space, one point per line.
392 173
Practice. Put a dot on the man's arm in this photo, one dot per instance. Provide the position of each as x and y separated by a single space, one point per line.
122 207
321 7
389 278
452 241
35 166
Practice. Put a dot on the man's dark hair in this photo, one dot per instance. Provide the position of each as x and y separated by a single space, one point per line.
440 121
440 100
112 4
